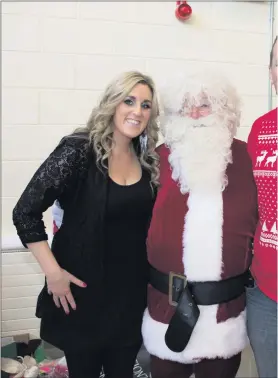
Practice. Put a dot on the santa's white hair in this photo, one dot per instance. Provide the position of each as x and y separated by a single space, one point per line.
200 148
181 89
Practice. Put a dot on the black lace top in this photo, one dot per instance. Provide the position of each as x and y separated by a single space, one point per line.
104 225
54 177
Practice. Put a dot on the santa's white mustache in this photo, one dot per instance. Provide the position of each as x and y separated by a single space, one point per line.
208 121
176 127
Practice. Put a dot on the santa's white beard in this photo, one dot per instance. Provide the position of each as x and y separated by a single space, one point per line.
200 152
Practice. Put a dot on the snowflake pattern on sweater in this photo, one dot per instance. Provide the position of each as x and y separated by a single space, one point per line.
263 149
265 172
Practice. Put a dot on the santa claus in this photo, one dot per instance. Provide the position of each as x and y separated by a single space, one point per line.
200 237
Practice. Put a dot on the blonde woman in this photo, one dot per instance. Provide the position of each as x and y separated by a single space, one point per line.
105 178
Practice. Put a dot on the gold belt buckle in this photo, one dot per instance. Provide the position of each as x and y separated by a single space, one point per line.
173 275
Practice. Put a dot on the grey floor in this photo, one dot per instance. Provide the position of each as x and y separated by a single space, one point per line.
248 366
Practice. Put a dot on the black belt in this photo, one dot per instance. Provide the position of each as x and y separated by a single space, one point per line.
187 295
204 293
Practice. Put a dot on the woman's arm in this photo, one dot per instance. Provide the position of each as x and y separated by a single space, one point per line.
58 172
45 258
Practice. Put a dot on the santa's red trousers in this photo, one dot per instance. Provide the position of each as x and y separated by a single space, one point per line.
217 368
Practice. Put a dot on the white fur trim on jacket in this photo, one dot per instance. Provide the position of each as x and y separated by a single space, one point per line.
208 340
202 259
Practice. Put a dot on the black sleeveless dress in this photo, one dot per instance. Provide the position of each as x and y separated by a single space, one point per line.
127 216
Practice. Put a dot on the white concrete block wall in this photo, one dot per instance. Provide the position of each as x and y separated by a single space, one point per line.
58 56
22 280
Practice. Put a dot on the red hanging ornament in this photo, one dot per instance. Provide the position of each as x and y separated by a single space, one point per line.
183 10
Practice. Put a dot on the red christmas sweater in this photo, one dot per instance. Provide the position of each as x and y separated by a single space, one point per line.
263 149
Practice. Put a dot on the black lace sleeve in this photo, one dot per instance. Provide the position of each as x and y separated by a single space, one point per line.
57 173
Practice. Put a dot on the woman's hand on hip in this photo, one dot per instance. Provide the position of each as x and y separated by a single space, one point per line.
58 284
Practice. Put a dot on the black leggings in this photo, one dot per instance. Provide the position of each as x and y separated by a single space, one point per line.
117 362
216 368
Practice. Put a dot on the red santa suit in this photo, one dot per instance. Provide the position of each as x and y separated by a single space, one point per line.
206 236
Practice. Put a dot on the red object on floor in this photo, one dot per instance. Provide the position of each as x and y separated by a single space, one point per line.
183 10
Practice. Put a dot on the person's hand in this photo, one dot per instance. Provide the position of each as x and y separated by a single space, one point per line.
58 284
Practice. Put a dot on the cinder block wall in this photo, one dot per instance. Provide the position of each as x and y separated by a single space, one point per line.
57 58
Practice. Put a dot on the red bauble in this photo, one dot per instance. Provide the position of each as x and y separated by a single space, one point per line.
183 10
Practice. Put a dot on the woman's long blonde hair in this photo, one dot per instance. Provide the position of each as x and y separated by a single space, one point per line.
100 123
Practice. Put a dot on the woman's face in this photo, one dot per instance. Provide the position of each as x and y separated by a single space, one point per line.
133 114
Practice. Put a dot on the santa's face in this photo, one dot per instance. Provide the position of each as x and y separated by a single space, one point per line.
200 145
196 108
203 109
